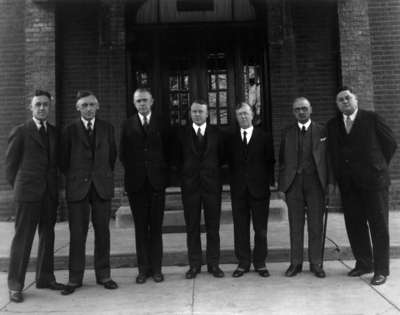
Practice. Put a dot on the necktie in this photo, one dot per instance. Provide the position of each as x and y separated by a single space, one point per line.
89 128
244 137
300 149
348 124
42 129
145 124
199 135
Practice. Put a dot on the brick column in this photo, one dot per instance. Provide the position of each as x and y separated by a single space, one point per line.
355 49
40 64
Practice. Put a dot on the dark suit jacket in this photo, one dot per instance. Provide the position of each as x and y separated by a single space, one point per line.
81 167
257 171
363 156
288 155
30 169
143 155
200 171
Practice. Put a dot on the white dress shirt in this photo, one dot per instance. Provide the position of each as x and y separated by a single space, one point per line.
148 116
38 124
306 125
249 133
202 128
352 116
85 122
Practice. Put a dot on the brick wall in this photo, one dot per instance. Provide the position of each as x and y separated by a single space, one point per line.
303 41
12 67
384 20
91 55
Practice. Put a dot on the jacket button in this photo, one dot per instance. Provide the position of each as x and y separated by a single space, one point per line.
85 179
347 161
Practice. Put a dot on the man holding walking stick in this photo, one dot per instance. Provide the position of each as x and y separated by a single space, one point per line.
303 178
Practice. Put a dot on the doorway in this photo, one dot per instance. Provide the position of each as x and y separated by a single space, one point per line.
221 64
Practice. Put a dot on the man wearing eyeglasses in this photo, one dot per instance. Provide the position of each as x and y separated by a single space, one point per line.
303 178
87 160
361 146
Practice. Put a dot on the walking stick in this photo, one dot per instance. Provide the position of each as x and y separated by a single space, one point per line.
324 234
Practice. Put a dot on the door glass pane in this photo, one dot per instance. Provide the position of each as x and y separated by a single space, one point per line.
179 91
217 88
252 86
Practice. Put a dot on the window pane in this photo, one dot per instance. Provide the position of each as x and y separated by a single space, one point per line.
223 115
222 81
212 99
213 117
173 83
222 99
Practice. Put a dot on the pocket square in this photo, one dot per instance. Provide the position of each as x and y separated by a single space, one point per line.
323 139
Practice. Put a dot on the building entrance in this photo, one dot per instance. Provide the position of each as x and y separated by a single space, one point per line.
222 65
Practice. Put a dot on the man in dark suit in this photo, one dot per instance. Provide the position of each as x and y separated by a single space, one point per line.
361 146
143 153
251 163
31 169
303 178
200 150
88 158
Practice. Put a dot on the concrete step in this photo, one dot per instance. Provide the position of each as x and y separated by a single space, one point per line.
174 220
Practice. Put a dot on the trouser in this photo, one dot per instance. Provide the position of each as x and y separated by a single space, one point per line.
147 206
78 217
244 206
366 217
30 215
305 196
192 204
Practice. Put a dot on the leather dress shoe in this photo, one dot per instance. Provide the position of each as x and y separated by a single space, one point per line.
16 296
53 285
192 272
378 279
263 272
141 278
109 284
158 277
215 271
70 288
357 272
317 271
293 270
239 272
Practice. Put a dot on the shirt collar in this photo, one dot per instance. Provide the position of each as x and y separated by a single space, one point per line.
85 122
249 132
38 124
202 128
352 116
306 125
148 116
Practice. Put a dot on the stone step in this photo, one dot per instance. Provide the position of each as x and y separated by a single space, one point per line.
174 220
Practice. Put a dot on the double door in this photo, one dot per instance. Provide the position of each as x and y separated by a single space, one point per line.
222 67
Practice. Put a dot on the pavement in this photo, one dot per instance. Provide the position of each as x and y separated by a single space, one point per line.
251 294
304 294
123 243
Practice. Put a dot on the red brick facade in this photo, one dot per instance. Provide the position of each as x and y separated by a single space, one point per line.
313 46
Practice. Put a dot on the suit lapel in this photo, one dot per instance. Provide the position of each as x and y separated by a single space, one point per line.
82 133
99 132
52 139
209 134
189 135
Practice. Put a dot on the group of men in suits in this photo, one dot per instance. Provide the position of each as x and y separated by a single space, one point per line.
353 151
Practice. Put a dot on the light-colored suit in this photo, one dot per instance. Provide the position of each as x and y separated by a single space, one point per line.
304 189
